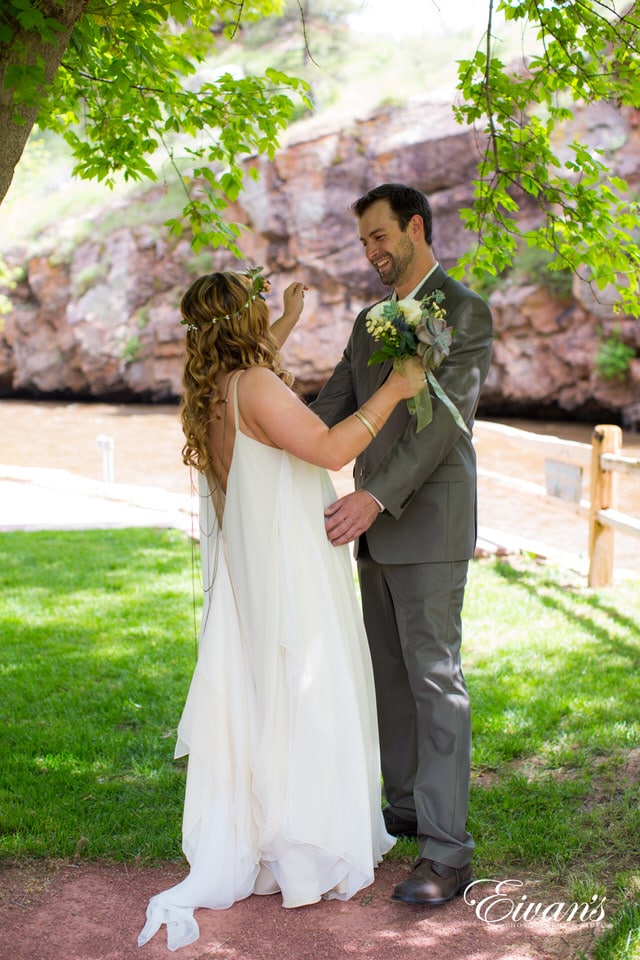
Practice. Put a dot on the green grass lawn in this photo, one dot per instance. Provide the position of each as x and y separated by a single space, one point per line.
98 642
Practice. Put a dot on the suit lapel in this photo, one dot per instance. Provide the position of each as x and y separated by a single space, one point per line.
434 282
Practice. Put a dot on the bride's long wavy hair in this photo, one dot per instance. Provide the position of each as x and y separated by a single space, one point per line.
227 329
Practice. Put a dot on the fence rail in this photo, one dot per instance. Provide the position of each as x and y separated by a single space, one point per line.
565 462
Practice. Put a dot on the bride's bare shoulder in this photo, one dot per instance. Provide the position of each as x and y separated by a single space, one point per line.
260 378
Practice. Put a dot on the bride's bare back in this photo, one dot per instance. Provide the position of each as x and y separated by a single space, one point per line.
222 428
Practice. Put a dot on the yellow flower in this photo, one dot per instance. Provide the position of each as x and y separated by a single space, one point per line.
377 312
380 327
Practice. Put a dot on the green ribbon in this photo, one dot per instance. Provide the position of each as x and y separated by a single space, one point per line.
421 406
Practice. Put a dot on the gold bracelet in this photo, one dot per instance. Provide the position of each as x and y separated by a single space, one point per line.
363 420
373 415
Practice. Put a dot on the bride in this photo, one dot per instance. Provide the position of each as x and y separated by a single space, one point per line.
283 781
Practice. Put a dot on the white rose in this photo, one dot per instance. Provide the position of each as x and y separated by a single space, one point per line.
411 312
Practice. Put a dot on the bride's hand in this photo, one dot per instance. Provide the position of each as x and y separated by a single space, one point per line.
409 379
293 300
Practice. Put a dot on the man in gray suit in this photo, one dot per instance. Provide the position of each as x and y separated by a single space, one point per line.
413 517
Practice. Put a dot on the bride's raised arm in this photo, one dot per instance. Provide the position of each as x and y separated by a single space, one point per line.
293 298
272 414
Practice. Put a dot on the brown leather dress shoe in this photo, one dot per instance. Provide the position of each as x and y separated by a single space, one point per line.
431 883
398 826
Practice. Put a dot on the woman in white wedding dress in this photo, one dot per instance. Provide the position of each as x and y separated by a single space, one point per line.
283 782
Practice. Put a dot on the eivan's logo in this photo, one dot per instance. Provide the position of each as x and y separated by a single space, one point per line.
503 905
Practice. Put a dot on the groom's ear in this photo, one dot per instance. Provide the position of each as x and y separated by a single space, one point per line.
415 228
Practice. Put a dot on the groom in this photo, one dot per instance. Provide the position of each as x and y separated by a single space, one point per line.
413 517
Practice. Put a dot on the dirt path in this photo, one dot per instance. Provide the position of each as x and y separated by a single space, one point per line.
94 911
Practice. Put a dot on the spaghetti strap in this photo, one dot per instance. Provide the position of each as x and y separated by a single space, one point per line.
236 412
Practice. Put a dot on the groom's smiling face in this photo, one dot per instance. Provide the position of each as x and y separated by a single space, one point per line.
389 249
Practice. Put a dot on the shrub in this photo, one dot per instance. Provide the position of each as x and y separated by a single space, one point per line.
613 357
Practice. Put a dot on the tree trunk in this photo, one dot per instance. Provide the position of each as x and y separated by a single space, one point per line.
27 46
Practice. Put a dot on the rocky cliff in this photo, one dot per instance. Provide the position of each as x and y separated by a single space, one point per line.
102 321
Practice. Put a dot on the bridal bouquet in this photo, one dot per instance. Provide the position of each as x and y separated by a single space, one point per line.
407 328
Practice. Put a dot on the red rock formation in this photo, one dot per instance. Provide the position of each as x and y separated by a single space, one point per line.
105 324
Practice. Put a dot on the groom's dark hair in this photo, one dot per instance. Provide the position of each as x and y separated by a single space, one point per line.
405 202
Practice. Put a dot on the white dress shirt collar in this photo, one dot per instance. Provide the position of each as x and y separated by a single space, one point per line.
411 296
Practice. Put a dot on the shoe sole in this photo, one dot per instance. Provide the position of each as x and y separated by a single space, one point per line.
436 901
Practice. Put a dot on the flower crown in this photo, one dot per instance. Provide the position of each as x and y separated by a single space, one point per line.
258 285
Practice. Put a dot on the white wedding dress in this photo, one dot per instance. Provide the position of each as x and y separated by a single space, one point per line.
283 782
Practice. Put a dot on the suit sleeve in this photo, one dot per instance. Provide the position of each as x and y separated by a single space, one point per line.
414 457
337 399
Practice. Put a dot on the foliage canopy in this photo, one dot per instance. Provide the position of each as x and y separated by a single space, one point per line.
131 81
587 52
122 79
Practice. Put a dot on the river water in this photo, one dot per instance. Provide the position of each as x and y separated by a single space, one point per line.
147 440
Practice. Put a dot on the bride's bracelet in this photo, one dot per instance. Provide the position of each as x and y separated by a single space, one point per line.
372 415
366 423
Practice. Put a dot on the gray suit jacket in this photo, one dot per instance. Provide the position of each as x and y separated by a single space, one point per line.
426 480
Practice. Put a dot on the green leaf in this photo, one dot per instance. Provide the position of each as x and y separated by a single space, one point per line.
379 356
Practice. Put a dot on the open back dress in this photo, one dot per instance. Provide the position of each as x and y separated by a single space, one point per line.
283 781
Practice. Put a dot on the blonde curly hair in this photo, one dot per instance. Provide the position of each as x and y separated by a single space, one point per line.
227 329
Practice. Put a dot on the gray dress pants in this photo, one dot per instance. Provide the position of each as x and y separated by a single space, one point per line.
412 615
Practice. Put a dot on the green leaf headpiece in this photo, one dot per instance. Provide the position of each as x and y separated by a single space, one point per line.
258 285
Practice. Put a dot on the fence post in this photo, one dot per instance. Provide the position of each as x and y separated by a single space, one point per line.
604 489
105 445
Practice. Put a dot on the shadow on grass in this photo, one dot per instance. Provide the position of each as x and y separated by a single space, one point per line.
564 674
567 600
555 720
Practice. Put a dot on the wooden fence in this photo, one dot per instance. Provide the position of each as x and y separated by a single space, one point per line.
565 462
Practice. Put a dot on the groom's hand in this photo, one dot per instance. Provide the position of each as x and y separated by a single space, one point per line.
350 516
